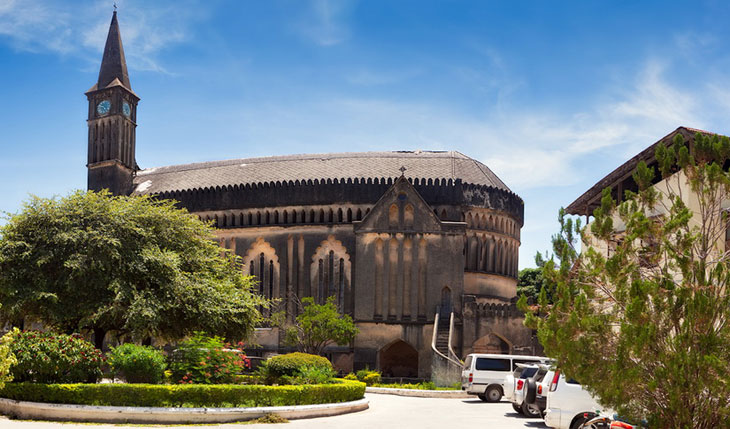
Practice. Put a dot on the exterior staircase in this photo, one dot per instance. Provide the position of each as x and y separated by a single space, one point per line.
442 334
445 365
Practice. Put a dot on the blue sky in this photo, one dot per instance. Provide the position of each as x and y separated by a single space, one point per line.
550 95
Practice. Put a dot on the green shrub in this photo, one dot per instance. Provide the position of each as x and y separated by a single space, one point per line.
45 357
137 364
292 364
368 377
7 358
184 395
426 385
205 360
350 376
313 375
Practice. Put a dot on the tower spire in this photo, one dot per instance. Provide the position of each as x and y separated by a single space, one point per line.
113 64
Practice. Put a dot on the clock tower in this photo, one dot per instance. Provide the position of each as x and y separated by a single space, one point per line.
112 121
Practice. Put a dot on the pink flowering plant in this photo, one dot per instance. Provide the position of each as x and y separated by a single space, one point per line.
46 357
207 360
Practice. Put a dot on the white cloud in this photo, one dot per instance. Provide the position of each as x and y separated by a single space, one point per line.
68 28
526 147
324 23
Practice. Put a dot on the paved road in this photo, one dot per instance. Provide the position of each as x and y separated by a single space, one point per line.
386 411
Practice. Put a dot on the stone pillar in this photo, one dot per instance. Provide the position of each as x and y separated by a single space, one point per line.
407 268
378 314
392 278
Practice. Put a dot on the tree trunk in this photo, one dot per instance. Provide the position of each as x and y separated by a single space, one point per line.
99 335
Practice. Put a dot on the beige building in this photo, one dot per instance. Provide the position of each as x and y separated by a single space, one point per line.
621 180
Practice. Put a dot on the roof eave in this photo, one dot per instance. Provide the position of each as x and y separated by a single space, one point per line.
581 206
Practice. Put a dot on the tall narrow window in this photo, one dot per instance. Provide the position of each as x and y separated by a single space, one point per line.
331 274
320 277
341 283
271 279
262 267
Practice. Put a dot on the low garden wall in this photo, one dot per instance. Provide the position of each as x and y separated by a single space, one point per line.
158 415
154 403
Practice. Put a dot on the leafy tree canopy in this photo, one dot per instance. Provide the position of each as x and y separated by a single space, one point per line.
530 281
319 325
642 315
133 265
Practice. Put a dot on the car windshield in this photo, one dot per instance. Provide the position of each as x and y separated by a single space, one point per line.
540 375
528 372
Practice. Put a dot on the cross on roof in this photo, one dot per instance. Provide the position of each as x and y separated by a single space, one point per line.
403 170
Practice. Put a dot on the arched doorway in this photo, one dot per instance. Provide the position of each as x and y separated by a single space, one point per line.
491 343
445 308
399 359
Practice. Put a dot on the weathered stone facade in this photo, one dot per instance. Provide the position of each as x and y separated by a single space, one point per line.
395 237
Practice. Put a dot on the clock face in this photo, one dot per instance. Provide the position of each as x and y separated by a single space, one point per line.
126 109
103 107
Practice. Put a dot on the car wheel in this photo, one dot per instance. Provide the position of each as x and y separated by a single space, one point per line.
578 421
528 411
493 394
516 408
483 397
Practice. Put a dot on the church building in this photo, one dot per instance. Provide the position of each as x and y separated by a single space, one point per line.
419 247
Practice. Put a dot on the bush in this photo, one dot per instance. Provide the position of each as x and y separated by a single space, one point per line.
137 364
206 360
45 357
292 364
184 395
313 375
350 376
7 358
368 377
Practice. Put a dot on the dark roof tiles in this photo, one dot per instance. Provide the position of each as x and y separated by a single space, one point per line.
113 63
419 164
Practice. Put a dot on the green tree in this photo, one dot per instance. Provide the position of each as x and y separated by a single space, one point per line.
319 325
642 316
132 265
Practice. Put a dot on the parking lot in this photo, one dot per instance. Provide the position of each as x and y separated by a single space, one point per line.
386 411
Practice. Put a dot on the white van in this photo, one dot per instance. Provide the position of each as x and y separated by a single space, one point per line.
484 374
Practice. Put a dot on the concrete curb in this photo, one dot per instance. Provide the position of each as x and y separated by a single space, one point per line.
419 393
103 414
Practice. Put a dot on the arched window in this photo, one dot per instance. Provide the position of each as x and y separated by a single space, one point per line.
262 262
408 216
393 216
349 215
331 271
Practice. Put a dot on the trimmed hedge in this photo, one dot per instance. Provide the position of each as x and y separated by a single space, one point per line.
184 395
291 364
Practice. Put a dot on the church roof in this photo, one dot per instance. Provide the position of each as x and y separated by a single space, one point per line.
113 63
360 165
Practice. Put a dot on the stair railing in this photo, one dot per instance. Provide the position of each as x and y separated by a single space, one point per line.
433 340
452 354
